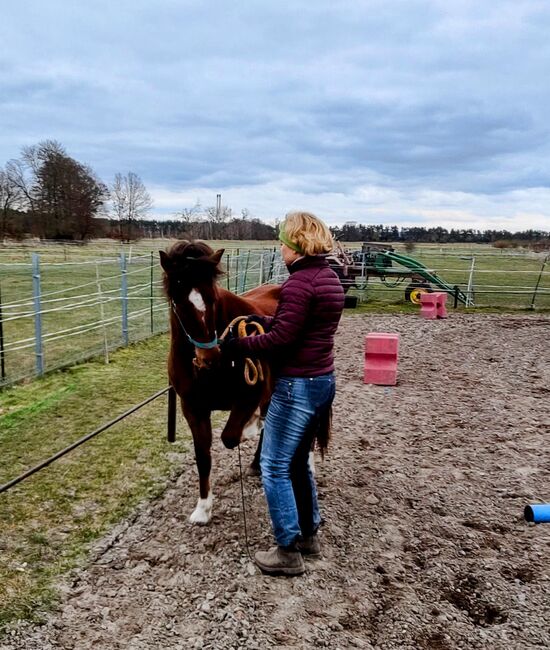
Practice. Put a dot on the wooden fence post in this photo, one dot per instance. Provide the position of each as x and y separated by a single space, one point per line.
171 434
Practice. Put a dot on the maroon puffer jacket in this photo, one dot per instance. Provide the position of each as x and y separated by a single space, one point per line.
300 339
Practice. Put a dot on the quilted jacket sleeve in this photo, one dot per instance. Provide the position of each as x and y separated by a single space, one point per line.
288 321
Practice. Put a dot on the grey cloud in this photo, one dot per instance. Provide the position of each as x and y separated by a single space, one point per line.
434 94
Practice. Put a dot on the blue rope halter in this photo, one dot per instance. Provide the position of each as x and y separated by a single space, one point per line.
197 344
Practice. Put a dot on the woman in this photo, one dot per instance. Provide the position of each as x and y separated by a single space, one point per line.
299 341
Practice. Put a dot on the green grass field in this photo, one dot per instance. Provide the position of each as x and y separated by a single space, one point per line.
501 280
77 324
48 521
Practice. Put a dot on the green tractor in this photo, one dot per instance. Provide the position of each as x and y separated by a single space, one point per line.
381 261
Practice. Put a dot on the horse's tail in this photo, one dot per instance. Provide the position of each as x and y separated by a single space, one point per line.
324 429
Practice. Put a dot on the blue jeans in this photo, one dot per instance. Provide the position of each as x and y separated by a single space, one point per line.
296 406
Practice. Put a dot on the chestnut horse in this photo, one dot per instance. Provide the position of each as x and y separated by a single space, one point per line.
200 311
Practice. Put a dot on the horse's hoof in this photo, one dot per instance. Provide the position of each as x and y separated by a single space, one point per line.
253 471
203 512
199 518
230 443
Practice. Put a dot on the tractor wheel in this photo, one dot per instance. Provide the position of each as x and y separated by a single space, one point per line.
415 290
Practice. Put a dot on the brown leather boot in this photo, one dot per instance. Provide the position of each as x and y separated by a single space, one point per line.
279 560
310 546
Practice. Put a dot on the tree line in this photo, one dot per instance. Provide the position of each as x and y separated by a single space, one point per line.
48 194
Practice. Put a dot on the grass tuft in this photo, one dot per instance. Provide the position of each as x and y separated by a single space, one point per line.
49 521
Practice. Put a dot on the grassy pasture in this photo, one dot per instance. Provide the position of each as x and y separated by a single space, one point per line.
68 278
71 334
82 304
48 521
501 280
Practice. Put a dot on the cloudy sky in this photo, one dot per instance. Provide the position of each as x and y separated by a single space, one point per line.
432 112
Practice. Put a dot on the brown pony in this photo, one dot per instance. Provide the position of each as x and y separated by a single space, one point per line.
200 311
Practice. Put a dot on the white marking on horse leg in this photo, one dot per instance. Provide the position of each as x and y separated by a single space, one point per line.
253 426
311 462
196 299
202 513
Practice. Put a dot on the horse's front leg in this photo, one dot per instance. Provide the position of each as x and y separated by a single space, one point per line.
201 429
242 416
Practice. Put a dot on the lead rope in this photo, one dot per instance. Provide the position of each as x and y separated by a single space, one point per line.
252 373
253 369
244 506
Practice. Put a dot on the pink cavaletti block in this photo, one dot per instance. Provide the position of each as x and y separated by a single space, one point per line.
381 356
432 305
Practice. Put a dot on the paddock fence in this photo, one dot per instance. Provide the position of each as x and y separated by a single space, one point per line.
57 314
54 314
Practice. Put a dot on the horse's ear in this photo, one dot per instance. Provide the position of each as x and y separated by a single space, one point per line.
217 256
165 261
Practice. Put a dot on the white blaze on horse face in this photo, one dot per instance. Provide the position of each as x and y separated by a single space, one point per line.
197 301
253 427
203 512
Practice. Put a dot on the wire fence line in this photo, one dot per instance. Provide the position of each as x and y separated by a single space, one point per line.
53 315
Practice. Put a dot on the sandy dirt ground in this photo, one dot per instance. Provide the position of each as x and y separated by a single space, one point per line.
424 542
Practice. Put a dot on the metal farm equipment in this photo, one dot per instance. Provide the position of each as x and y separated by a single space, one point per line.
354 268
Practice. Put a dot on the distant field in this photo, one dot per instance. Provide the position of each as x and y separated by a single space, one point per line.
82 305
500 279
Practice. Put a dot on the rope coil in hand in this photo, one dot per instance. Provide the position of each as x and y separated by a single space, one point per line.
253 369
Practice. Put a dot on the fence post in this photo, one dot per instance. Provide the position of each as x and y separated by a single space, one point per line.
261 272
2 353
271 263
37 314
151 296
237 272
456 296
171 435
243 283
102 314
124 297
229 257
538 282
470 289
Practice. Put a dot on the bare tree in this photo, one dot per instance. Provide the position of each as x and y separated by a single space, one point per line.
61 195
130 201
11 198
216 216
188 215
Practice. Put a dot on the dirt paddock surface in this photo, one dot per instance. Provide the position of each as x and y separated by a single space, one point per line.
424 542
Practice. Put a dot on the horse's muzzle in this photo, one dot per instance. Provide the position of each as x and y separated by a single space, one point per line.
207 359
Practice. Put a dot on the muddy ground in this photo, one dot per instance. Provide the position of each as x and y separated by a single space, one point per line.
424 540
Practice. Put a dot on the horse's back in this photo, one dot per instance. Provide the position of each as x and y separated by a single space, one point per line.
264 298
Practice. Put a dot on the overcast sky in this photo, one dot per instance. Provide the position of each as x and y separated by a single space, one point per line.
431 112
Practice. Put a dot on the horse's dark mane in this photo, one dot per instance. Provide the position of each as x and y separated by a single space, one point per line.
191 264
185 248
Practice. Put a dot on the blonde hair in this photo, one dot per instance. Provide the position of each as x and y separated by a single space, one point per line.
308 232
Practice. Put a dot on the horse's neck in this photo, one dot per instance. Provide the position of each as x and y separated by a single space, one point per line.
230 306
178 338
